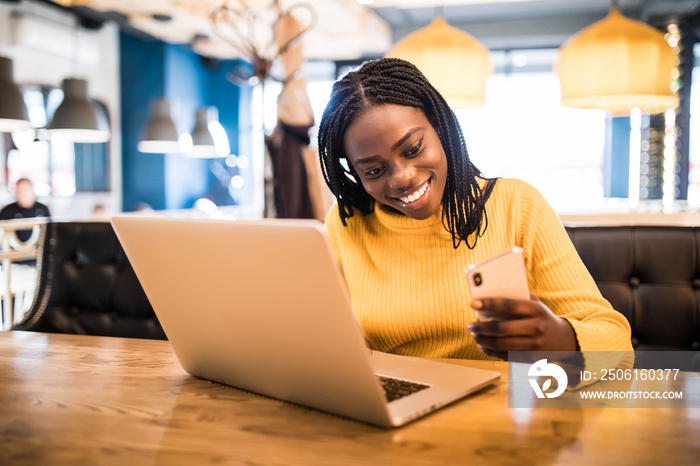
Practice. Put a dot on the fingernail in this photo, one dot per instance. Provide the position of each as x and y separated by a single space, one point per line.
476 304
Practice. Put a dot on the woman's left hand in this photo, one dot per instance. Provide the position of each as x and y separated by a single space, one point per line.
537 328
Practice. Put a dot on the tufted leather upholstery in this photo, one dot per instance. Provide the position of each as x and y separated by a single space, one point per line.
651 274
85 285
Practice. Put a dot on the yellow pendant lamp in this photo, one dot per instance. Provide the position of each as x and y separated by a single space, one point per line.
453 61
617 64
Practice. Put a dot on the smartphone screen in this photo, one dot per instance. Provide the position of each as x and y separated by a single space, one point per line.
502 276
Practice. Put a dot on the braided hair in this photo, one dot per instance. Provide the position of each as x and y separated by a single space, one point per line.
396 81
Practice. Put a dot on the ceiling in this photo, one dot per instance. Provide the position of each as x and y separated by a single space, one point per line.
514 24
351 29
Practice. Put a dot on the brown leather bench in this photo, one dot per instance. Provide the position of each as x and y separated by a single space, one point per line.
651 274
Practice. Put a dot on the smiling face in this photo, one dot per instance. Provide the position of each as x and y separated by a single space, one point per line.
399 158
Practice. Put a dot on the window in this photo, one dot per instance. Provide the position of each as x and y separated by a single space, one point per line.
521 133
57 167
524 133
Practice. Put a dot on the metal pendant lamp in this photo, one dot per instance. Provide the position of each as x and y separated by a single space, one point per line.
13 111
161 136
77 118
209 138
617 64
455 62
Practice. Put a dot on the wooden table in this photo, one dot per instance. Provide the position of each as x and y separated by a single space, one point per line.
78 400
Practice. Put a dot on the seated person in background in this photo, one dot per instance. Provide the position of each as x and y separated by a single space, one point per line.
26 206
99 211
413 212
142 207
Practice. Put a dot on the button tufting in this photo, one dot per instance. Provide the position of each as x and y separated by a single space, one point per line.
695 345
635 342
633 282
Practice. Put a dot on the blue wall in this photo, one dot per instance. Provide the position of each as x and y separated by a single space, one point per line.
142 74
186 84
151 69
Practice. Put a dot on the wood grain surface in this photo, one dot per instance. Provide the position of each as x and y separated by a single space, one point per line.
84 400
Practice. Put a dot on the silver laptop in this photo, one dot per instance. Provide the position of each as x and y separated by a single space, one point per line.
262 306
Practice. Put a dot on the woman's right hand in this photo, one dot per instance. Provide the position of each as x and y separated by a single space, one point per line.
537 328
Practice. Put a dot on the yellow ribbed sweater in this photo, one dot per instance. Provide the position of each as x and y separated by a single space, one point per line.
410 294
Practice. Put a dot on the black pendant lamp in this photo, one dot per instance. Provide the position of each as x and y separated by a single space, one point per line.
13 111
78 118
161 135
209 138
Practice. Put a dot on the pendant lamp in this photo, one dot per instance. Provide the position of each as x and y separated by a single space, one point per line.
160 136
209 138
13 111
617 64
454 62
77 118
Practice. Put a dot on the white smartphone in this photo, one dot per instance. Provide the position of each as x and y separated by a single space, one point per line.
502 276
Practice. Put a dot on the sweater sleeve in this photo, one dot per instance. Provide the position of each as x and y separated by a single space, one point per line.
559 278
332 226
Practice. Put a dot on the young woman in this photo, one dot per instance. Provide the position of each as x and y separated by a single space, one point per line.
413 213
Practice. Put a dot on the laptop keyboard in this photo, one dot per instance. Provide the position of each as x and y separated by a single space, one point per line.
397 388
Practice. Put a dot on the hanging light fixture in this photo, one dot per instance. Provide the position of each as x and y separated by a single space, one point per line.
160 136
617 64
208 136
13 111
455 62
77 118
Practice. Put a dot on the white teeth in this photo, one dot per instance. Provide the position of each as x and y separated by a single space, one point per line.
414 196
